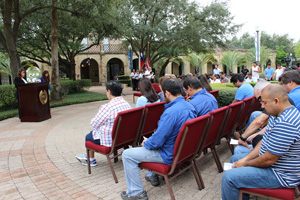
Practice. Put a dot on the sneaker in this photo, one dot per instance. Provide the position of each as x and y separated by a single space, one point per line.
92 163
142 196
81 158
154 180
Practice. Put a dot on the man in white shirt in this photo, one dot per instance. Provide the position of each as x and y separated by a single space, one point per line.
279 71
132 79
255 70
250 78
216 70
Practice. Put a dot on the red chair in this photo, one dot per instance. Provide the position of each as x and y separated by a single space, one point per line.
281 193
151 117
233 116
245 113
217 120
125 132
189 139
136 94
215 93
156 87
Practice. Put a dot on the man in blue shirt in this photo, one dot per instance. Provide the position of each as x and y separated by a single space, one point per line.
275 161
202 101
290 80
269 73
159 147
244 90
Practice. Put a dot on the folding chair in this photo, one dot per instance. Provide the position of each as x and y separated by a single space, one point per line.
151 117
136 94
156 87
189 139
245 113
125 132
279 194
217 120
215 93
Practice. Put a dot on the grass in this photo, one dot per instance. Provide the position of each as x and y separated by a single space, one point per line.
70 99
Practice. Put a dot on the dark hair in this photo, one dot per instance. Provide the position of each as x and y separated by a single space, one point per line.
206 76
46 78
254 63
217 76
237 77
268 64
204 82
191 81
115 87
162 79
289 76
249 73
278 64
173 85
222 73
147 90
20 71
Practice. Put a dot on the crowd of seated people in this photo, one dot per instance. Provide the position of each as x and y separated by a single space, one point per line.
263 158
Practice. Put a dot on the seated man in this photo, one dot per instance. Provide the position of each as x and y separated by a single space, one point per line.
202 101
274 162
159 147
102 124
251 78
223 78
244 90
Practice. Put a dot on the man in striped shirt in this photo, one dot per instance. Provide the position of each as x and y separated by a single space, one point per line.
102 124
275 161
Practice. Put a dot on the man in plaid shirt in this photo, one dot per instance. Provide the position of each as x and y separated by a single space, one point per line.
102 124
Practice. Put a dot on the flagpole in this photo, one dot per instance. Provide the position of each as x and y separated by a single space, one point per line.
140 59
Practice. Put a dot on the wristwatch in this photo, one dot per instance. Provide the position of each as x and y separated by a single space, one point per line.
243 139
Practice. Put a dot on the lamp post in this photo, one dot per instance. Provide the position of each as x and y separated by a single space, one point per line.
130 54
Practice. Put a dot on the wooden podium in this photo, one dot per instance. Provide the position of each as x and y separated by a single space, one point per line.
34 102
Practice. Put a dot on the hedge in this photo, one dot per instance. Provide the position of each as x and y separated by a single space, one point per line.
70 86
125 79
7 97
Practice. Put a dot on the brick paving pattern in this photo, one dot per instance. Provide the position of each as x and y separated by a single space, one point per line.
37 161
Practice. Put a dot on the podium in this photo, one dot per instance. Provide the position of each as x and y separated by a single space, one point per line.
34 102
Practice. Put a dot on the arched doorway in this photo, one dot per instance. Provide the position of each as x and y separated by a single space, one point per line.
177 69
115 67
136 64
89 69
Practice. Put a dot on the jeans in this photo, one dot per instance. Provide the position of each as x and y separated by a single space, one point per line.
247 177
89 137
131 158
237 157
252 117
240 149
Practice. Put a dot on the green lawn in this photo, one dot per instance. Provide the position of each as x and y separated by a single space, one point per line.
70 99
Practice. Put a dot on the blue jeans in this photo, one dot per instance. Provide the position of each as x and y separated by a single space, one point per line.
252 117
131 159
89 137
247 177
240 149
237 157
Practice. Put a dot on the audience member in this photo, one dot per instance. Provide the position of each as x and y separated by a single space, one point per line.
148 92
244 90
172 76
204 82
202 101
215 79
274 163
279 71
216 70
161 80
102 124
159 147
255 70
269 73
250 78
223 78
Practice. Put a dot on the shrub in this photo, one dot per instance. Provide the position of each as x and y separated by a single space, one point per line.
70 86
7 97
125 79
226 93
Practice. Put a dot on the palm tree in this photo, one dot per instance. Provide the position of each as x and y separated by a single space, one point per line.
232 59
168 55
5 66
265 55
199 60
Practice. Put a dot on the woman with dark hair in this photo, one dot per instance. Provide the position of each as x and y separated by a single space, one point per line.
204 82
19 80
148 92
215 78
46 79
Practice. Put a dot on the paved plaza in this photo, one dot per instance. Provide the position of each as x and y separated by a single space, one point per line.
37 161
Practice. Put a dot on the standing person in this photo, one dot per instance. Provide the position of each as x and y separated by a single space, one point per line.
148 92
275 161
255 70
46 79
216 70
279 71
223 78
269 73
19 80
159 147
103 122
204 82
136 80
245 70
244 90
132 76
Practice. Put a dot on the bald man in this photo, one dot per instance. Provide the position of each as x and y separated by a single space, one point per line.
275 161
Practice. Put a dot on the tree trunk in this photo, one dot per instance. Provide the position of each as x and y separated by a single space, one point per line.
73 64
56 91
163 68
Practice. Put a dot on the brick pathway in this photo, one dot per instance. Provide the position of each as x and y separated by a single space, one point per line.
37 161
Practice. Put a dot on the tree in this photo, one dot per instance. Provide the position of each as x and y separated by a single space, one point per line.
296 50
4 65
232 59
199 60
265 55
169 55
175 24
281 54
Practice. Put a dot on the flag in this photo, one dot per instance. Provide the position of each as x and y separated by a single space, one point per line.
147 64
141 60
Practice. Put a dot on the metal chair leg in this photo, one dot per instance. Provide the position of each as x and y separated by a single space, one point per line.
169 187
88 160
111 168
